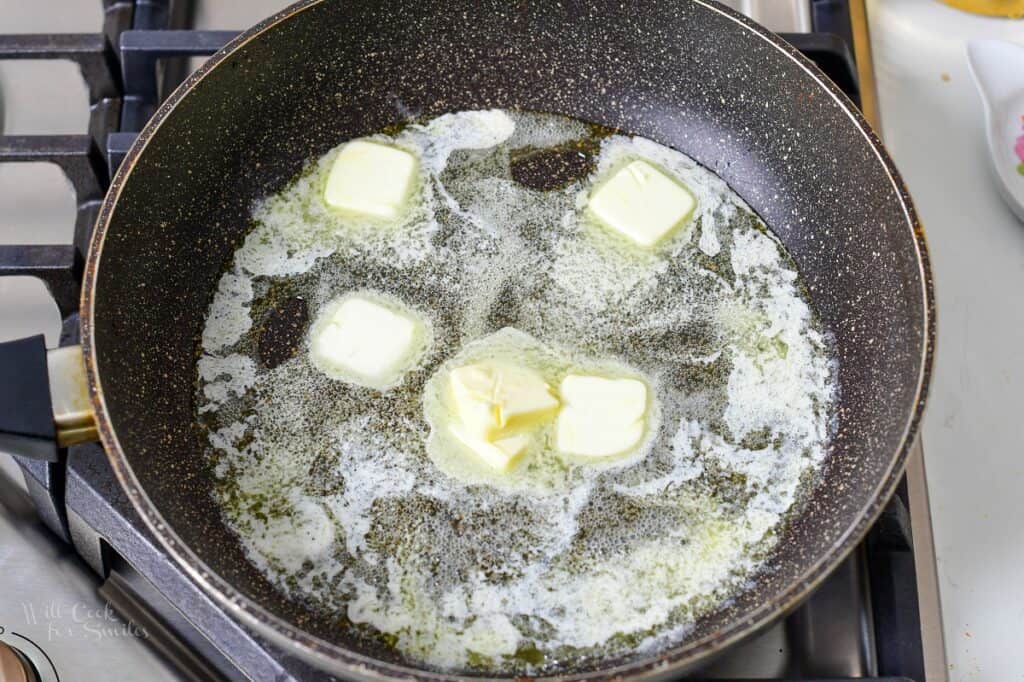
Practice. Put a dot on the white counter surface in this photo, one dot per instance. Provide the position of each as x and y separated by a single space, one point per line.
974 425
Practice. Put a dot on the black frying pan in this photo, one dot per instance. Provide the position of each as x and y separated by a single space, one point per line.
688 74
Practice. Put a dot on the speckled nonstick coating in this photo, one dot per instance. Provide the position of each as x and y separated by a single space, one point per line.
688 74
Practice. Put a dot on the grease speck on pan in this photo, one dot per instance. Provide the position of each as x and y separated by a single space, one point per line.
331 486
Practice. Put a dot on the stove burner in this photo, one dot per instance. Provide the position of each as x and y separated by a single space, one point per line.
864 620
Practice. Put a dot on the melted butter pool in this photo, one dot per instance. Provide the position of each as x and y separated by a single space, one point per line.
345 499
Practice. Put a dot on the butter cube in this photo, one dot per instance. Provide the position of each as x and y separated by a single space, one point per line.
371 178
496 404
600 417
365 341
493 398
502 454
641 202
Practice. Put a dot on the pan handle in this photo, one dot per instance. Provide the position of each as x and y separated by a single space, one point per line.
44 399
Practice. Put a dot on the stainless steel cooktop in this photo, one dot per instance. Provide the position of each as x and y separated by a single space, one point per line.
88 595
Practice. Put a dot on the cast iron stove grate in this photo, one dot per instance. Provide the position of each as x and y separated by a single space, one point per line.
865 620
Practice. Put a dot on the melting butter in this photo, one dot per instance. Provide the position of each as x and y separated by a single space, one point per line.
350 503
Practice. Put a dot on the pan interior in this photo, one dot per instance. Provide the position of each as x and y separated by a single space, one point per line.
358 502
697 82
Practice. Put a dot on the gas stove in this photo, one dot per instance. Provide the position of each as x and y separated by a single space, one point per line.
95 596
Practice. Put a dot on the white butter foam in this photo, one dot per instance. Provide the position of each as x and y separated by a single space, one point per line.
344 497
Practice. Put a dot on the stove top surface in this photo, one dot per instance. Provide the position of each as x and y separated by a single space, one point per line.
93 593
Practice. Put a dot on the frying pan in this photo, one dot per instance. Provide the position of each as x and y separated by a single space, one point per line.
689 74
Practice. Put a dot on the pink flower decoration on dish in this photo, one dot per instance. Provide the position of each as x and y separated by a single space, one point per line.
1019 149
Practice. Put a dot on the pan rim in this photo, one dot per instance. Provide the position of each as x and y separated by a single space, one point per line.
340 659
